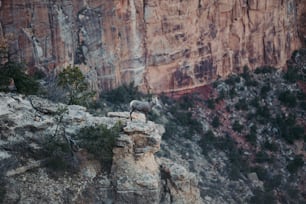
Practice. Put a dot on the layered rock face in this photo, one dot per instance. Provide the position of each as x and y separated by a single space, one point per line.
160 45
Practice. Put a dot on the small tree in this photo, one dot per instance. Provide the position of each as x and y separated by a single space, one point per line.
14 78
73 81
215 122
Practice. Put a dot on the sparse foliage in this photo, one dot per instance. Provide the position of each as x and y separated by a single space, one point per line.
13 74
73 81
100 141
122 94
288 98
294 165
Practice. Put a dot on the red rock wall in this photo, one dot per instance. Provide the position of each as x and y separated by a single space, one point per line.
162 45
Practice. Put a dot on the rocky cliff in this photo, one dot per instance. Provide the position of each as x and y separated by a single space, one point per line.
136 176
160 45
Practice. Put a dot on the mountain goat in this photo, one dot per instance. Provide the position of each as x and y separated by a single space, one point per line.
143 106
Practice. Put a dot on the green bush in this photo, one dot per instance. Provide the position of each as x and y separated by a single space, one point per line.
237 126
211 104
232 93
273 182
262 157
122 94
232 80
294 165
246 73
100 141
24 83
190 124
255 102
215 122
221 95
263 197
263 114
251 82
187 101
265 70
73 81
237 163
241 105
2 189
251 138
288 99
289 130
264 90
58 154
207 142
170 130
270 146
292 74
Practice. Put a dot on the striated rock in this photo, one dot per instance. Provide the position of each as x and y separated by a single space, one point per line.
135 171
162 46
180 185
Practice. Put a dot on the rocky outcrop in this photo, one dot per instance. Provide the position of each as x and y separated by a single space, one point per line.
160 45
136 175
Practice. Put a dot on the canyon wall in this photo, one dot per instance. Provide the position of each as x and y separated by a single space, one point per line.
162 46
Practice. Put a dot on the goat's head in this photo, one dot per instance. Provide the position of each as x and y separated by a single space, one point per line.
155 101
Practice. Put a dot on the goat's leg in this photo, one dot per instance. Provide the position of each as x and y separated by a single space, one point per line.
132 110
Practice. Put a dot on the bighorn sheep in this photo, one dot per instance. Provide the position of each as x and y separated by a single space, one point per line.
142 106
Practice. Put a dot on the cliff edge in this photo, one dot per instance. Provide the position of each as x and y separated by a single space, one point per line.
136 176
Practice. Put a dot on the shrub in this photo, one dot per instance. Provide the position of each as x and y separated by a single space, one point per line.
186 120
100 141
255 102
246 73
262 157
187 101
264 90
263 197
270 146
289 130
273 182
73 81
261 172
170 130
288 99
24 83
292 74
207 142
241 105
237 164
263 114
265 70
211 104
251 138
221 95
58 153
232 92
2 189
294 165
232 80
251 82
215 122
122 94
237 126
